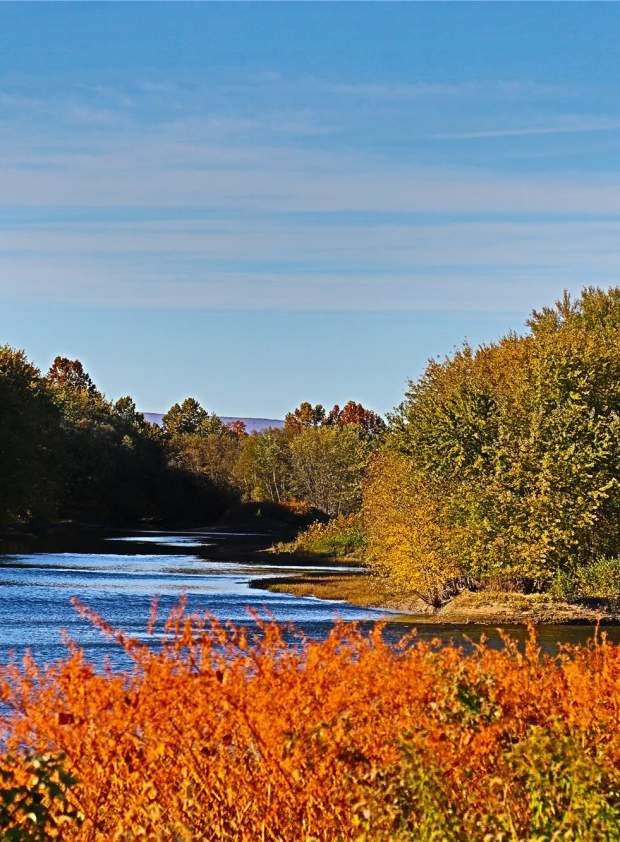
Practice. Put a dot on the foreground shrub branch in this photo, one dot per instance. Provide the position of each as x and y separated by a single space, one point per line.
220 734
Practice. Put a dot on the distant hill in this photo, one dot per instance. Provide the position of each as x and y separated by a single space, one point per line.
251 424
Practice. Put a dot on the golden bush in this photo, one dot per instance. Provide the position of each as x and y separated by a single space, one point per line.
406 536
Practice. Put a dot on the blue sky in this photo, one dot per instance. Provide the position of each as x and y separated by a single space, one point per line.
258 204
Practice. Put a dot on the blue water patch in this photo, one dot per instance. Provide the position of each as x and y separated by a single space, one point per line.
36 590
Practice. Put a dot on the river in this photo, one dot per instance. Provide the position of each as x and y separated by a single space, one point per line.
118 576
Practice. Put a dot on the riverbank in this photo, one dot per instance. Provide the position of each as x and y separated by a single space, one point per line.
249 540
484 608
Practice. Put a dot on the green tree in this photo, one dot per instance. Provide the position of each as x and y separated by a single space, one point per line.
29 422
66 451
88 439
263 466
190 417
213 455
328 465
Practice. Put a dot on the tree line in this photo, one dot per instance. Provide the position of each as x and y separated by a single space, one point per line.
67 452
318 458
502 463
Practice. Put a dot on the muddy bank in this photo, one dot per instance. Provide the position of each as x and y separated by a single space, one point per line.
484 608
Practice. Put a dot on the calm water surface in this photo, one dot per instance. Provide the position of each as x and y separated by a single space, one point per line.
119 577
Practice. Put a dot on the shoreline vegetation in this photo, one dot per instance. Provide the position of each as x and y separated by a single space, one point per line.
342 542
220 733
355 583
334 545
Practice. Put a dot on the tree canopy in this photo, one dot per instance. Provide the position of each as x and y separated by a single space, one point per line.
66 452
513 451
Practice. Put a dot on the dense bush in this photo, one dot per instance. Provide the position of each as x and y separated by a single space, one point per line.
509 456
339 537
215 735
600 578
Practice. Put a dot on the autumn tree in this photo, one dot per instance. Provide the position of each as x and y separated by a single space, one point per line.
70 375
370 424
237 428
303 417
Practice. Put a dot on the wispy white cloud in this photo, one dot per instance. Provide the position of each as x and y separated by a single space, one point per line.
180 168
428 89
101 283
365 248
565 125
259 171
277 263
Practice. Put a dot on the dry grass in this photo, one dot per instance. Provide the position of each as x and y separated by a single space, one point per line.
357 588
486 607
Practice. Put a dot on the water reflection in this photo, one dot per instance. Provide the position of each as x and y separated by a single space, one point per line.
162 540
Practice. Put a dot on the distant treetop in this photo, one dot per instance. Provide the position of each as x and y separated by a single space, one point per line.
190 417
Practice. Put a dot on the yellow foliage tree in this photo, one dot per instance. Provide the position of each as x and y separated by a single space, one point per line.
405 533
510 455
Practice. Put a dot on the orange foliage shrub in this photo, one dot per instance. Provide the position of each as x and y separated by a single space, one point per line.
214 736
298 507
